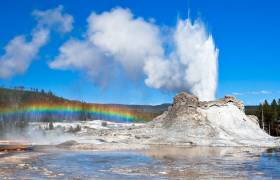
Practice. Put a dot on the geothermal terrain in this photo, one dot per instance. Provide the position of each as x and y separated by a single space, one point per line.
191 140
191 122
187 122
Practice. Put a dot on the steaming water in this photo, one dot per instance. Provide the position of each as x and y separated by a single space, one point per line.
155 163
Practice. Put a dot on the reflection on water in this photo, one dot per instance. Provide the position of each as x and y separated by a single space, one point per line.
155 163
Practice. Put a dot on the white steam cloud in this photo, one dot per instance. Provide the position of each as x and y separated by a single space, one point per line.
191 66
113 38
19 52
117 38
84 56
129 40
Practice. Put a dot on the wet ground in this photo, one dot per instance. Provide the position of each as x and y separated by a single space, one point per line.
155 163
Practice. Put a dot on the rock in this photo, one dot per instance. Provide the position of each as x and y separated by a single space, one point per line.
215 123
67 144
183 103
185 99
223 102
232 99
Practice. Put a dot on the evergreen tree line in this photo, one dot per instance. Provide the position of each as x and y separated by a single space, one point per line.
269 116
19 97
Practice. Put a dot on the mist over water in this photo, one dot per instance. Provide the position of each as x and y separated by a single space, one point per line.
40 134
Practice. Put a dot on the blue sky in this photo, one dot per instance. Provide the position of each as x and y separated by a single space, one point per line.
245 32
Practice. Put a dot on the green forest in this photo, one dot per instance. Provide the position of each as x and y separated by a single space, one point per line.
18 97
268 115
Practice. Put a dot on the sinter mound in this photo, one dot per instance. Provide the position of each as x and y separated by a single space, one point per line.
215 123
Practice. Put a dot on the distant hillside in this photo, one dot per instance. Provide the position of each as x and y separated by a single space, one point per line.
251 110
34 105
19 96
13 99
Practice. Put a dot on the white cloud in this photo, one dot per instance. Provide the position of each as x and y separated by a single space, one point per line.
113 39
261 92
128 39
54 19
83 56
265 92
19 52
189 63
237 94
76 54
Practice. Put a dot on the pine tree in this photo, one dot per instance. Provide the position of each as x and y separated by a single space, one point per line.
266 110
259 114
267 115
273 109
278 109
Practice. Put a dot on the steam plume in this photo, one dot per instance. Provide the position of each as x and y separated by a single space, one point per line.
119 39
191 66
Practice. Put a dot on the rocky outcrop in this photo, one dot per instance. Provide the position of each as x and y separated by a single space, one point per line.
191 102
222 102
216 123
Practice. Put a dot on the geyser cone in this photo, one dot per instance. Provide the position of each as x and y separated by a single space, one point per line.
218 123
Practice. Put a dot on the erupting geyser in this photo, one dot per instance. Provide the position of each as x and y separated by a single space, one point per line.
191 66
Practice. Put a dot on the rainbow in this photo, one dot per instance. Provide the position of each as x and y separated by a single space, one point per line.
94 111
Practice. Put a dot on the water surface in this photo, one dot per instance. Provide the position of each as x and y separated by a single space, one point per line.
154 163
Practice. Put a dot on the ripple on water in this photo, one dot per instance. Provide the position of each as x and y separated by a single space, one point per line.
154 163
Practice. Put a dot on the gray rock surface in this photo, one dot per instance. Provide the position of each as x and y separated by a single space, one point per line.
216 123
